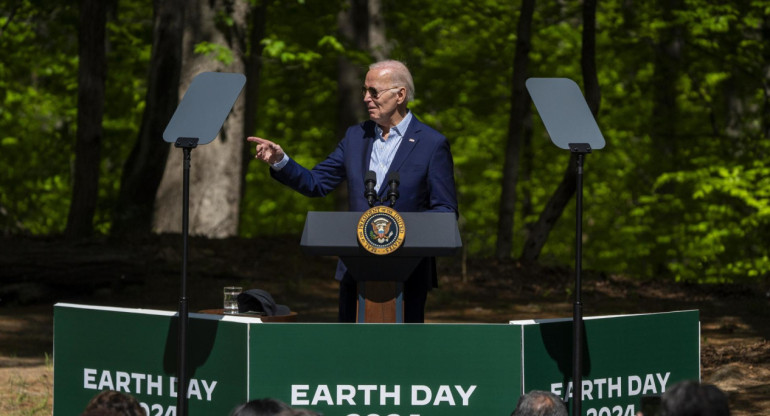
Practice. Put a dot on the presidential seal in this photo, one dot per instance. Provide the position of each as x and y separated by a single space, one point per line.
381 230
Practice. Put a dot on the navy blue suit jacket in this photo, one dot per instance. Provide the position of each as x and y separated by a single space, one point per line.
423 161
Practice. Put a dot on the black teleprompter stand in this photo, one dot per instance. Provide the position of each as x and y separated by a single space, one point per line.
580 150
196 121
186 144
566 116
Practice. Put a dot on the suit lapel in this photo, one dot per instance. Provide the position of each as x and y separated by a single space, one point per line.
408 142
369 137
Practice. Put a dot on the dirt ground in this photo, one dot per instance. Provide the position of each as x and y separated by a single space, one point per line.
37 273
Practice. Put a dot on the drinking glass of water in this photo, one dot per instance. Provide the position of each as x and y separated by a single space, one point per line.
231 299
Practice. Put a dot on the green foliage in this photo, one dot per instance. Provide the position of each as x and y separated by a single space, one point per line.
724 216
220 53
38 79
462 88
696 210
701 218
129 33
37 115
296 109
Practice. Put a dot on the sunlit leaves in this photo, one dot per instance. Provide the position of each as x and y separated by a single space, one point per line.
723 216
289 54
37 113
220 53
39 109
331 42
707 217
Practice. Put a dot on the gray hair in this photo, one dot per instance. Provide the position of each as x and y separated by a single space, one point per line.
399 75
693 398
540 403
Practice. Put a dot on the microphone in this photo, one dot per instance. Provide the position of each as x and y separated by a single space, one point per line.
393 182
370 180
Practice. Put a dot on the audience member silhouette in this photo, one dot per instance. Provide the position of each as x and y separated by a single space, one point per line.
100 412
691 398
301 412
113 403
269 407
540 403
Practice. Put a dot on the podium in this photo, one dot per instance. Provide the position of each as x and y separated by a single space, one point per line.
380 277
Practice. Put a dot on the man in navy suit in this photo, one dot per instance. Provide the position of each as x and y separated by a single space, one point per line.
393 140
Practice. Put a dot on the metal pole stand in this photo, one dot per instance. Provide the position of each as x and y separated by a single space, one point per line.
580 150
187 144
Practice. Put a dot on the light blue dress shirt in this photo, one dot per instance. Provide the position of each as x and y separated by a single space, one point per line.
383 151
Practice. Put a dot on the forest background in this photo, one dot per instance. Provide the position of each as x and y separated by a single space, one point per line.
676 206
680 90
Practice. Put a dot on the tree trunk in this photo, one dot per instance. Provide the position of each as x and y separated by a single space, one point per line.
143 170
353 28
588 58
664 136
559 200
538 235
378 45
527 158
361 27
667 62
91 76
215 174
520 102
253 64
765 119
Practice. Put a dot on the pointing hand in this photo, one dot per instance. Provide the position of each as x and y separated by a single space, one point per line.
267 151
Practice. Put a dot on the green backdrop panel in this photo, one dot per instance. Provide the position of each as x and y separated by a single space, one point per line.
366 369
624 357
135 351
385 369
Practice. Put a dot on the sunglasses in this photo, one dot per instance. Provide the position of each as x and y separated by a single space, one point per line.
374 93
